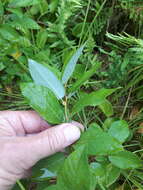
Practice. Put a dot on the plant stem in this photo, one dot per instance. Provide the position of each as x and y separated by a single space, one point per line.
83 27
20 185
66 109
97 14
101 186
126 105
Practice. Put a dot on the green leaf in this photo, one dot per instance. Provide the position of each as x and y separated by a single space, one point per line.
119 130
55 162
98 142
41 38
77 30
79 70
16 11
69 69
75 173
105 173
24 23
93 181
48 167
126 160
8 33
53 5
23 3
66 56
2 66
98 170
44 102
45 77
108 122
43 175
92 99
85 76
113 174
107 108
43 6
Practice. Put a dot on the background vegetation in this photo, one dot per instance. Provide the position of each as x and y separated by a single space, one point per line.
49 31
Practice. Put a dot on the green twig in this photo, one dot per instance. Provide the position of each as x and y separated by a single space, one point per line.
126 105
20 185
66 109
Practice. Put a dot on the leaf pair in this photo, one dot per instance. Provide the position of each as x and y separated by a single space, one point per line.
100 143
45 77
44 94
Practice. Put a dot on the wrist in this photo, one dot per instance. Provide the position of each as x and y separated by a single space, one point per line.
6 180
5 184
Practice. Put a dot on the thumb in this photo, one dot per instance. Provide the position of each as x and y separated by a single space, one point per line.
48 142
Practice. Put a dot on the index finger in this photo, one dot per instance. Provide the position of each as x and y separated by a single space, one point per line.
24 122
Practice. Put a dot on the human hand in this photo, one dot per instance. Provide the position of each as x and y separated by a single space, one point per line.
25 138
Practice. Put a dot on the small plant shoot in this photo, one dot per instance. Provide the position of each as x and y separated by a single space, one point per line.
77 61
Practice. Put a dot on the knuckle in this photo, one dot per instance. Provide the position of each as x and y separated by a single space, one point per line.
55 141
11 159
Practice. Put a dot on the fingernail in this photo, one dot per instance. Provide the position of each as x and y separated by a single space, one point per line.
71 132
44 124
79 125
